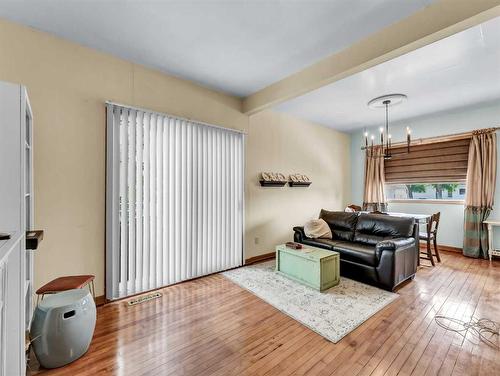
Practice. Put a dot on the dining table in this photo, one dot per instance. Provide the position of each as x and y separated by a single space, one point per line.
419 218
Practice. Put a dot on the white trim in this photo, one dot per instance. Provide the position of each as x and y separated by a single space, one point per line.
422 201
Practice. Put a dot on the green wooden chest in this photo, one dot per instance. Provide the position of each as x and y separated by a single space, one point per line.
311 266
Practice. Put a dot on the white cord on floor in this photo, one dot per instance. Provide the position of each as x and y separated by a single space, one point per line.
487 330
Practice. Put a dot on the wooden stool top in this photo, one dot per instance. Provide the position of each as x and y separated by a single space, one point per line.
65 283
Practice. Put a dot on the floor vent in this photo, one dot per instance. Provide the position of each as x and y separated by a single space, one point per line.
144 298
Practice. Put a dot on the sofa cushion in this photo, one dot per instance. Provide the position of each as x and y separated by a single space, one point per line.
357 252
321 243
373 228
342 224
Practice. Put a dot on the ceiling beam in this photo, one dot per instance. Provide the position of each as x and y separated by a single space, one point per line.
432 23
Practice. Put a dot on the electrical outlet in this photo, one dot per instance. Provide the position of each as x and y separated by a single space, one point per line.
256 240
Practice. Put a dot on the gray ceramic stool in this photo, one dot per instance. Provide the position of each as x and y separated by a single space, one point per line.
62 327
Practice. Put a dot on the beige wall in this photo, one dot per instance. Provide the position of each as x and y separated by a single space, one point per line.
280 143
68 85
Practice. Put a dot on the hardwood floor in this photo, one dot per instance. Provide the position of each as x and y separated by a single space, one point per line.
211 326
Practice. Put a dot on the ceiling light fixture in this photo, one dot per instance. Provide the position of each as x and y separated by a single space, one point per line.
386 101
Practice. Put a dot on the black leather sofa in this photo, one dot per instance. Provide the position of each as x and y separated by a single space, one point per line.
377 249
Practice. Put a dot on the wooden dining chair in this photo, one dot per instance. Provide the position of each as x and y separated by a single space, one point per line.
378 212
354 207
431 236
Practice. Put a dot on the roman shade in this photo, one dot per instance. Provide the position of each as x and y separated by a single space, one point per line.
437 162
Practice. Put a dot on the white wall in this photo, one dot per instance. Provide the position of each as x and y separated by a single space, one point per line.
450 230
451 225
278 142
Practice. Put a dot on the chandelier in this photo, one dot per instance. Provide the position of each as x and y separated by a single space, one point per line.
386 101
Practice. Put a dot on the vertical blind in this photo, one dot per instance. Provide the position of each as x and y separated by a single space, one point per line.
175 194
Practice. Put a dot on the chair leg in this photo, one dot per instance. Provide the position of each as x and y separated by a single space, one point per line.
429 252
93 289
436 250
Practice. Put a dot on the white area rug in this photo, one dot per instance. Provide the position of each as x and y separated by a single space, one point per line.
333 313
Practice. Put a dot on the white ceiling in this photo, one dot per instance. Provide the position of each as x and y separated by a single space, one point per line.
458 71
237 46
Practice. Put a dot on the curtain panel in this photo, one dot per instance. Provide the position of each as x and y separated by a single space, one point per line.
374 194
480 191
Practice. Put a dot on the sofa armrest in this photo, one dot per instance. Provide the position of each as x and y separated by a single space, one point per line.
299 234
393 245
397 261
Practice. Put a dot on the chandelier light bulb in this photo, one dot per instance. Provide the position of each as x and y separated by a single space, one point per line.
385 102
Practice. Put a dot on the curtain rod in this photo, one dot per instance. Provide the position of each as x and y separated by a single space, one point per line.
173 116
443 138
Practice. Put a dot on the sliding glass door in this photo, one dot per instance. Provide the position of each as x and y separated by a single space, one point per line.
174 201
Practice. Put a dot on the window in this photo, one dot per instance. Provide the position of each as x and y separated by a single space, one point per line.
426 191
430 171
